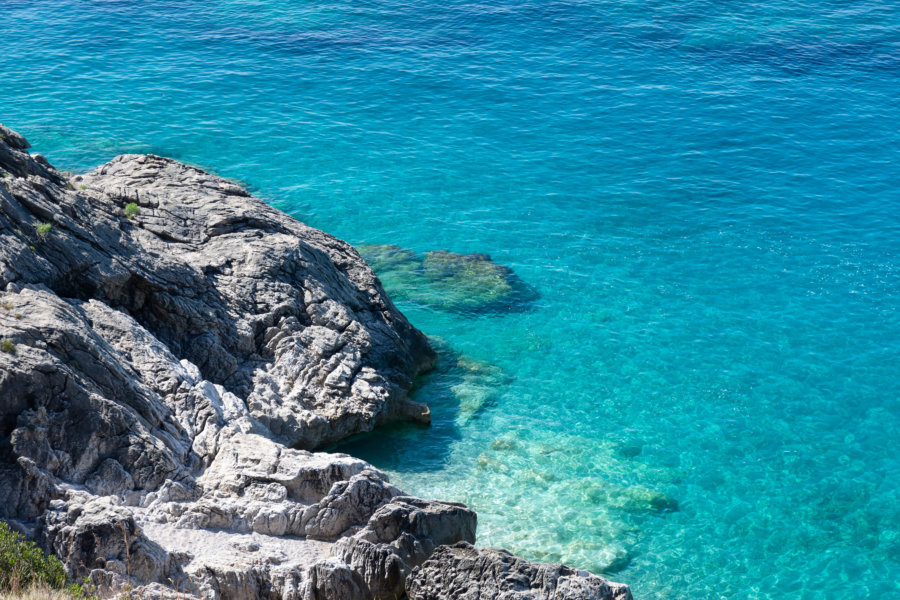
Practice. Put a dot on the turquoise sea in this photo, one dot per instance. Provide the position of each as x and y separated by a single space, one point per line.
701 398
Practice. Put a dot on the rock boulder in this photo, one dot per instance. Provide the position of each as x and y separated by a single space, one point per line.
464 572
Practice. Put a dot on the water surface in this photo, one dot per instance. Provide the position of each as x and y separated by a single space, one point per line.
701 399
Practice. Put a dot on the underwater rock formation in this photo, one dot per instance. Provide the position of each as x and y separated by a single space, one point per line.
443 280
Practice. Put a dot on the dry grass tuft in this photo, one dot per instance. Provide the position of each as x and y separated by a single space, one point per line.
36 593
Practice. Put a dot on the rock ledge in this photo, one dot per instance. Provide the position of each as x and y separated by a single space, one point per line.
464 572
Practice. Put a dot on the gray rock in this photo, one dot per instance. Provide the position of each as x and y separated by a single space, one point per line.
89 533
13 139
464 572
160 367
287 318
399 536
164 377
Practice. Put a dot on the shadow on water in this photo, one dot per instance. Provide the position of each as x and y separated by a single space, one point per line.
458 390
469 284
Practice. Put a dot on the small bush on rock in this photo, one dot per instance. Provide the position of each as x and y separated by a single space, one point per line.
132 210
8 346
24 565
44 230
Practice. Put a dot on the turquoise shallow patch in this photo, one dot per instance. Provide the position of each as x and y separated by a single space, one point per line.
701 396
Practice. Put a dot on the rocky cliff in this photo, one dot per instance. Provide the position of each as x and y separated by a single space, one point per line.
171 351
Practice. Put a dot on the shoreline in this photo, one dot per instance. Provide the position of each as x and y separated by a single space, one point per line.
174 345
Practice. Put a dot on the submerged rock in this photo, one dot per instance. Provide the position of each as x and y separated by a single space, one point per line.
504 445
479 384
463 572
389 258
634 499
467 283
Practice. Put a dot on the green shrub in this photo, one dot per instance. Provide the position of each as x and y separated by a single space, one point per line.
8 346
84 590
44 230
132 210
82 186
23 564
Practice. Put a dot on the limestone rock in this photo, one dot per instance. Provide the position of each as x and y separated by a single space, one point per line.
164 375
399 536
13 139
164 378
463 572
287 318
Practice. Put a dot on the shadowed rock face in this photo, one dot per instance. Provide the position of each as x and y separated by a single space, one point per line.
165 371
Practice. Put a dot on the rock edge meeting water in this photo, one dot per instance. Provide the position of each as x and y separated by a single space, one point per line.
696 389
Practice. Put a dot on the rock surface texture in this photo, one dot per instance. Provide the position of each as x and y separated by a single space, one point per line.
172 351
464 572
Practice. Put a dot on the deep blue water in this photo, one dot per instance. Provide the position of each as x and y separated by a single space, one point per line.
702 402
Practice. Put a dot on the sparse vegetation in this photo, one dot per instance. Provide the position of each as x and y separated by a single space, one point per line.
23 565
132 210
9 347
37 593
26 573
82 186
44 230
4 175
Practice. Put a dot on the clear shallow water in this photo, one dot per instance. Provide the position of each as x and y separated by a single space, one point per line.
703 400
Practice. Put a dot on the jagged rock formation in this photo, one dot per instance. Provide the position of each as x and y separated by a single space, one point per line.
171 350
286 317
463 572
